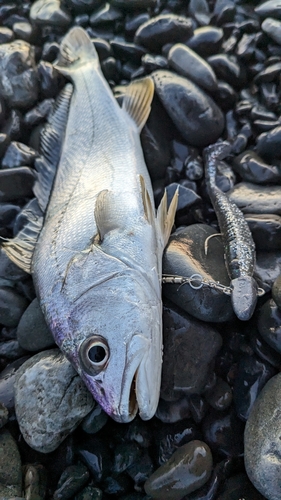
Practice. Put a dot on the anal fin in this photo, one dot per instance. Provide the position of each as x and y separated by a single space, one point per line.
147 205
166 217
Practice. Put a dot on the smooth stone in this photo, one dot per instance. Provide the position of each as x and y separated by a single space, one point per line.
134 5
228 68
8 213
188 344
18 75
239 487
105 14
83 5
269 8
187 470
10 466
252 375
4 415
225 96
198 407
39 113
141 470
263 350
94 453
220 396
194 113
206 40
6 35
152 63
163 29
49 13
12 306
134 20
189 64
200 11
49 79
95 420
168 438
253 169
11 350
185 256
268 268
171 412
18 155
127 51
276 291
125 454
269 74
272 28
13 126
89 493
24 31
217 479
262 440
255 199
266 231
33 333
8 269
223 432
71 481
47 385
268 144
269 324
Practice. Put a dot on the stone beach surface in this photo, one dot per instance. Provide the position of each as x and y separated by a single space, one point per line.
216 434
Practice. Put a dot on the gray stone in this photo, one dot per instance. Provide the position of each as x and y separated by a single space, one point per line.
185 256
50 400
272 28
12 306
263 441
194 113
10 466
254 199
268 268
49 12
4 415
33 333
188 469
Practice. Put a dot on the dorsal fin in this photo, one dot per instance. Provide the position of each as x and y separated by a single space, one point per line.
52 137
166 217
137 100
20 249
147 205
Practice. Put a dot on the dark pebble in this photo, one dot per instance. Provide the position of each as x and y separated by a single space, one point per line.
198 407
194 113
269 8
225 96
276 292
49 13
268 144
223 432
171 412
95 455
252 375
269 324
254 199
227 68
24 31
12 128
239 486
127 51
89 493
49 79
134 21
104 15
6 35
95 420
7 380
253 169
266 231
141 470
18 155
188 344
272 28
39 113
12 306
71 481
133 5
32 332
206 41
10 349
187 470
16 183
83 5
125 454
200 11
268 268
169 438
163 29
210 489
263 350
220 396
262 441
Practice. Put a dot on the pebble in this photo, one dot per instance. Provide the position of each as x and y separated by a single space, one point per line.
227 68
188 344
194 113
272 28
48 386
6 35
276 291
104 15
240 487
266 231
4 415
269 324
169 438
134 5
10 466
223 432
125 454
89 493
18 155
12 128
268 268
24 31
12 306
35 482
252 168
163 29
254 199
83 5
206 40
71 481
268 144
171 412
189 64
262 441
200 11
33 333
187 470
269 8
39 113
220 396
95 420
185 256
49 13
94 453
18 76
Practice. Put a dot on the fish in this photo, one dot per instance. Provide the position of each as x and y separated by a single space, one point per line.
237 238
94 244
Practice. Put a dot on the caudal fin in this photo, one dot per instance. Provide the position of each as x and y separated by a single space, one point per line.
76 49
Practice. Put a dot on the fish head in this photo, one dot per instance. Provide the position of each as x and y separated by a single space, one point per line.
114 341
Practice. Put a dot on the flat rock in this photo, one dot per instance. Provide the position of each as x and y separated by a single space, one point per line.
253 169
163 29
33 333
49 12
185 256
263 441
16 183
266 231
268 268
254 199
194 113
10 466
50 400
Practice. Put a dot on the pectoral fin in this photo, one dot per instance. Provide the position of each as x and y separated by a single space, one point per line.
137 100
147 205
166 218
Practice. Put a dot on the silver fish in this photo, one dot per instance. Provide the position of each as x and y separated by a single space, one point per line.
237 238
96 254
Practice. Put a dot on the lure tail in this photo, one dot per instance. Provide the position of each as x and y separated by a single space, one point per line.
244 296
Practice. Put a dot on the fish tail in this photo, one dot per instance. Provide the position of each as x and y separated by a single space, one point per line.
76 50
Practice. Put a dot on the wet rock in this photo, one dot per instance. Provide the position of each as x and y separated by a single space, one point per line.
171 412
95 455
10 466
163 29
268 144
152 63
18 155
239 486
12 306
225 96
105 14
35 481
262 441
189 349
263 350
206 41
189 64
253 169
253 199
272 28
276 292
6 35
89 493
49 13
127 51
252 375
211 487
185 256
268 268
223 432
125 454
95 420
134 4
269 324
57 394
187 470
269 8
198 407
11 350
12 127
24 31
83 5
266 231
39 113
194 113
4 415
71 481
49 79
200 11
33 333
141 469
220 396
18 76
168 438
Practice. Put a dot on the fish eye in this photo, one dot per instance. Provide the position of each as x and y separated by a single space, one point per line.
94 354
